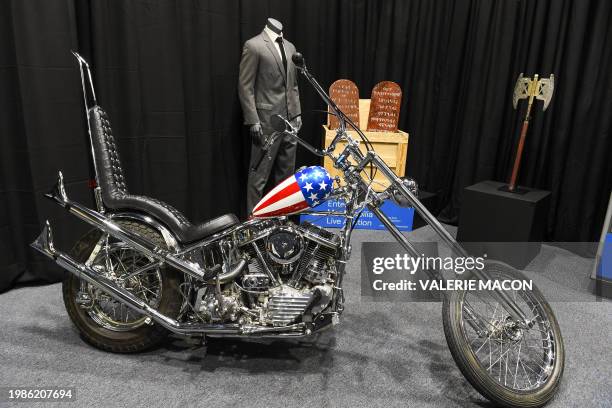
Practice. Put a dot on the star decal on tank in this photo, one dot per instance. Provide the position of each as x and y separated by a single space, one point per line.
305 189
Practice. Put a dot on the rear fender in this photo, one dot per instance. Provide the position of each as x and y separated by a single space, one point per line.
169 238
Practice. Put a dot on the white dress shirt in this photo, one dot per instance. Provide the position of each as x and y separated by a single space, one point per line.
273 36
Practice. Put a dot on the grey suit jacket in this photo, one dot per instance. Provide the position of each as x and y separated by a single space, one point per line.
262 86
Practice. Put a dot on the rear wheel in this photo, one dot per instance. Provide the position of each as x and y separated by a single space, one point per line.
511 365
106 323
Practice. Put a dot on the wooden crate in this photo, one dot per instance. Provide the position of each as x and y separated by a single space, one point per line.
391 146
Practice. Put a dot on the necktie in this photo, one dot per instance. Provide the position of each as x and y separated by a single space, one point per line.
279 40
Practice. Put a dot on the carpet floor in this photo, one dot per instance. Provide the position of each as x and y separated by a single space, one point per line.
381 355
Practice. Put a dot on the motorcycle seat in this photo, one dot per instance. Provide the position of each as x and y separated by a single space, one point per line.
115 194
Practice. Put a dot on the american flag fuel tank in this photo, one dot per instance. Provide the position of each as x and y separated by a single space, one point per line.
307 188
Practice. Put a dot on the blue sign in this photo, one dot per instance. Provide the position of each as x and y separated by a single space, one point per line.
401 217
605 263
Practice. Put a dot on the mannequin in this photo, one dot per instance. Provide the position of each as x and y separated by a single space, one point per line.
267 85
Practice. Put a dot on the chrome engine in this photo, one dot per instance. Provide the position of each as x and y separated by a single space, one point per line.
286 304
288 278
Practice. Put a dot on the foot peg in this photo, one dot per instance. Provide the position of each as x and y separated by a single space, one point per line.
58 192
44 242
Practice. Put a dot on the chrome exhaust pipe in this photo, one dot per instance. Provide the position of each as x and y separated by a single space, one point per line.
134 241
44 244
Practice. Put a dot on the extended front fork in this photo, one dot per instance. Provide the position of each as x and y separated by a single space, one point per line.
347 230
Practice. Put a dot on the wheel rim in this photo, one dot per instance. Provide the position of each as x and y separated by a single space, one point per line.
116 262
519 359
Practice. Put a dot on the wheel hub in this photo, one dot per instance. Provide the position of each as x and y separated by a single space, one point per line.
115 263
504 330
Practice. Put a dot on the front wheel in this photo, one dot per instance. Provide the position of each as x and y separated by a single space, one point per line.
508 364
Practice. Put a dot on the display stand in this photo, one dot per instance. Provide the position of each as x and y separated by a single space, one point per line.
431 201
602 271
490 216
391 146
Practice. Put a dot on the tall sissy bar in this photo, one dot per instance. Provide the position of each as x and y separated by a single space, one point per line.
89 92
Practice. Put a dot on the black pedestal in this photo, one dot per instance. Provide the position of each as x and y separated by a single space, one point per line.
430 200
489 215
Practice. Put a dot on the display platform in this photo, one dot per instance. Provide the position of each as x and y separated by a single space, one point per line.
603 276
490 215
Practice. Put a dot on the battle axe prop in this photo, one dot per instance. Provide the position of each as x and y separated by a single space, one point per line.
530 89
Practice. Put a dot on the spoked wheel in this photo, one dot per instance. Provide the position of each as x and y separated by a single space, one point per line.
103 321
511 364
118 262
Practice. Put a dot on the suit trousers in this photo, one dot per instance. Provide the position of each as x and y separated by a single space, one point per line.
278 164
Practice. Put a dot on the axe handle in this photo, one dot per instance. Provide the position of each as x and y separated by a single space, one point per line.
519 154
519 149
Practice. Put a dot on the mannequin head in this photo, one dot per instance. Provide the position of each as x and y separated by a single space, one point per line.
274 25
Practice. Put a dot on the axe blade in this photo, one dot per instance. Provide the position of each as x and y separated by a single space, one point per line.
521 90
545 90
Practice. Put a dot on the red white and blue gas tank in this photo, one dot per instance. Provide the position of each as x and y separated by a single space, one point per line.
305 189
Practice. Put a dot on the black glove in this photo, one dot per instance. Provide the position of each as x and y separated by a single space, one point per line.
257 134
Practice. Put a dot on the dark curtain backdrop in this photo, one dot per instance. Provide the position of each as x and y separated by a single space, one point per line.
166 71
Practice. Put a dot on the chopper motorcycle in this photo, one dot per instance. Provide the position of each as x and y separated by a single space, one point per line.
145 271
